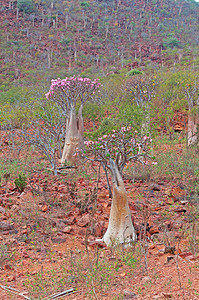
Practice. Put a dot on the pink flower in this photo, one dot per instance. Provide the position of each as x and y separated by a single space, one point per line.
123 129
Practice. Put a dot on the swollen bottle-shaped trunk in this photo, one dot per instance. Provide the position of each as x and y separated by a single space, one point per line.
74 135
192 129
120 228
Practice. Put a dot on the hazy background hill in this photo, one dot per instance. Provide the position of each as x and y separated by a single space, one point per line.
45 39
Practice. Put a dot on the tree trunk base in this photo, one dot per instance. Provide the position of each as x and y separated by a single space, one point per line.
120 229
74 136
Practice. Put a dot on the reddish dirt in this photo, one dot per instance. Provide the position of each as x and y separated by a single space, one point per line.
48 244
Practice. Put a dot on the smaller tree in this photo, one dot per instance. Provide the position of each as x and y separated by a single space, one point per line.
171 42
142 90
114 151
45 132
68 93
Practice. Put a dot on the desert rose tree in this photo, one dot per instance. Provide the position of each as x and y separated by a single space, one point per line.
114 152
191 92
68 93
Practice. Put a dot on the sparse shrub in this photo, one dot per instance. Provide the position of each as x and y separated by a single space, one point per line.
161 27
106 126
20 182
134 72
84 4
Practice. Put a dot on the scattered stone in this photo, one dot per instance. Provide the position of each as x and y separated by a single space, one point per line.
184 202
82 231
166 295
11 278
63 197
177 224
15 208
170 249
59 215
103 195
24 239
8 267
42 250
34 272
72 278
169 201
180 209
60 224
25 254
67 229
178 192
145 279
24 231
84 220
5 226
44 208
69 220
178 127
129 295
155 187
185 254
169 258
192 257
58 240
161 252
153 230
156 249
99 229
2 210
157 296
152 247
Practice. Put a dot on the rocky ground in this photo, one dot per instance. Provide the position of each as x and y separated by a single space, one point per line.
48 238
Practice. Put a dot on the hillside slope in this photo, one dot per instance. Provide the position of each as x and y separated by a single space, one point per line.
98 36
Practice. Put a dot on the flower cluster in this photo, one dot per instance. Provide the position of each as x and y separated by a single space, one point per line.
71 89
121 145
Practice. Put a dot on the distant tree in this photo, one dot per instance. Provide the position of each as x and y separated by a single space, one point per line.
26 6
171 42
